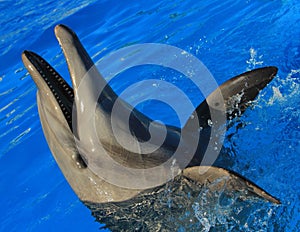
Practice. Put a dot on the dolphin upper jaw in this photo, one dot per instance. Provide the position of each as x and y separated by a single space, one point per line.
77 59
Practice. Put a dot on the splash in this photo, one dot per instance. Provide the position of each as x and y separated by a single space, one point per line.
254 60
183 205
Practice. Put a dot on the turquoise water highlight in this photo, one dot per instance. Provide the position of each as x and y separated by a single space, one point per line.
229 37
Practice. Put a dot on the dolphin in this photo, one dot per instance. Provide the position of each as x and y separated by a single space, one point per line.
55 101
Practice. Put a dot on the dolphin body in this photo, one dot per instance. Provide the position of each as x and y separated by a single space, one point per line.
55 100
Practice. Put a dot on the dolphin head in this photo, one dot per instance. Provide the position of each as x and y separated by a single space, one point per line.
55 100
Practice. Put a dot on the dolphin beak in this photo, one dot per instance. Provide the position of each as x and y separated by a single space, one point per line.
78 60
48 81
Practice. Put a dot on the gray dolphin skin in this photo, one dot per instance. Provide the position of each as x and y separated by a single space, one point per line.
55 99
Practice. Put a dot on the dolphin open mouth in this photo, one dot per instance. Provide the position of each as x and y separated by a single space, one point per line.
62 92
60 89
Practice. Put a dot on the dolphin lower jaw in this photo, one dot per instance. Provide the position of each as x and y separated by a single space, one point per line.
51 82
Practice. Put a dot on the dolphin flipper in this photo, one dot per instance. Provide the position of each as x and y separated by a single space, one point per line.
237 93
229 101
221 176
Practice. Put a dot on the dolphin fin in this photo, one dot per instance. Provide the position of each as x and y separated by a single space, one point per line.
218 177
237 93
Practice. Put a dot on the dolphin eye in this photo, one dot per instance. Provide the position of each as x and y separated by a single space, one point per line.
80 161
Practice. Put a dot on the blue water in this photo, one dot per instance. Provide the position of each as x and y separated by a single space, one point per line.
229 37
